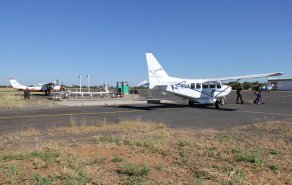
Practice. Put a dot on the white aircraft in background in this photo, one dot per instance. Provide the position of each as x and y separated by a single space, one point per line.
197 91
270 87
46 88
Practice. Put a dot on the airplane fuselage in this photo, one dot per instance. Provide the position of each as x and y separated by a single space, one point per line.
198 91
38 88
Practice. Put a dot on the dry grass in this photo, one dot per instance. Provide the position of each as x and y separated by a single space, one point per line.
135 152
7 90
11 101
133 126
16 101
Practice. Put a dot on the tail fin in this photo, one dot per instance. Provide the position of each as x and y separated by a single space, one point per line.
155 72
15 84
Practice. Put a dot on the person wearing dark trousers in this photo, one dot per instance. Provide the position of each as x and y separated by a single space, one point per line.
259 96
26 94
238 92
257 93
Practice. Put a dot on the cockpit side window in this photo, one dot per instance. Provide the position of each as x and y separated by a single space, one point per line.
198 85
205 85
192 85
219 85
212 85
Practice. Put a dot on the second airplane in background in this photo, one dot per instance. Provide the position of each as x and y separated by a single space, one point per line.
46 88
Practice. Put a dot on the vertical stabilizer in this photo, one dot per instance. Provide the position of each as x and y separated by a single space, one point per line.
155 72
16 85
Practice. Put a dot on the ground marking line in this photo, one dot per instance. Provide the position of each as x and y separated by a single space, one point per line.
69 114
76 114
116 112
268 113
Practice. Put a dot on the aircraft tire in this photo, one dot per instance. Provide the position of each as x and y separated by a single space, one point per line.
191 103
217 104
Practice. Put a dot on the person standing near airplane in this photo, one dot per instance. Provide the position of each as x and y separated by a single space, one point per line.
257 93
261 95
238 92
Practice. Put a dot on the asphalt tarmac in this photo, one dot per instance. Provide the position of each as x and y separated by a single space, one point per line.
277 107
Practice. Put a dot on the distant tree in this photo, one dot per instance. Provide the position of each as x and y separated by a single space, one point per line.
246 85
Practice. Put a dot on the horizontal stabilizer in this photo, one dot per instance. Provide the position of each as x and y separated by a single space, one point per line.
145 83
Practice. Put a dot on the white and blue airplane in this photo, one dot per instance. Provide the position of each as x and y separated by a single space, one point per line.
196 91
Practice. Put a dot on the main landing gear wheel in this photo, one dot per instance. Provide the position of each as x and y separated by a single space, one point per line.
191 103
218 104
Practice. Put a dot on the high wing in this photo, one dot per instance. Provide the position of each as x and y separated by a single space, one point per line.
46 84
245 77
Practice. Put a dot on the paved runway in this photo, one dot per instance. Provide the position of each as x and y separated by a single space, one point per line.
278 107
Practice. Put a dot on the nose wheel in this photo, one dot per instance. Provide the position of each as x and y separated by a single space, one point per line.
218 104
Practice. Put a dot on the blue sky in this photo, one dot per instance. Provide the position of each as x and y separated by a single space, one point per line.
41 41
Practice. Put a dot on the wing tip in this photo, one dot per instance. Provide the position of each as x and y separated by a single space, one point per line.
277 74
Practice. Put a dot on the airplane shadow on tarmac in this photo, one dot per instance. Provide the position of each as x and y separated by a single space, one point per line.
170 106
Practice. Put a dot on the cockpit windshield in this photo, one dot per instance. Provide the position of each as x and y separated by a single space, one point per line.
218 85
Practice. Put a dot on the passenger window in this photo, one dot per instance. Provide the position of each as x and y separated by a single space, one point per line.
212 85
198 85
192 85
219 85
205 85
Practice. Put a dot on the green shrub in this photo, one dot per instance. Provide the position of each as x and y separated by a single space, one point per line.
131 169
117 159
183 143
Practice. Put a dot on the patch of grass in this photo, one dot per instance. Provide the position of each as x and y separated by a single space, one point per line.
201 174
38 163
225 137
148 143
110 139
71 161
159 167
47 156
274 168
199 181
40 180
11 101
101 160
215 153
11 173
117 159
81 178
133 181
182 158
274 152
235 177
184 142
131 169
245 156
227 168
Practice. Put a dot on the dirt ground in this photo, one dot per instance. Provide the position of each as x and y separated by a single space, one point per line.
134 152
